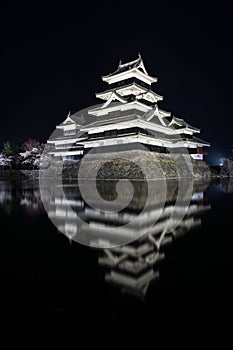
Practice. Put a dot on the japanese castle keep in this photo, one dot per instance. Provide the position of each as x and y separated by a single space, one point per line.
128 119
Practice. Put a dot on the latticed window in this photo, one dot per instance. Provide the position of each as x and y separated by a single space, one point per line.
69 132
64 145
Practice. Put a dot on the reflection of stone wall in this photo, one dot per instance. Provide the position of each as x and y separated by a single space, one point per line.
18 174
227 168
107 191
11 174
200 185
200 168
137 164
215 169
227 185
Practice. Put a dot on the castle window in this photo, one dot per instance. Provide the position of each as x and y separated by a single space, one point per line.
69 132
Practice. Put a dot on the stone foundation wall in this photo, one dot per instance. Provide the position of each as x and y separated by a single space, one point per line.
135 164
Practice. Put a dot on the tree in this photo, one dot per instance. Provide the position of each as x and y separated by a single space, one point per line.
30 159
22 156
31 144
8 149
32 151
5 161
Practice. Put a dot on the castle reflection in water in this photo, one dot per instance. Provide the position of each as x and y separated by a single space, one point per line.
25 195
133 266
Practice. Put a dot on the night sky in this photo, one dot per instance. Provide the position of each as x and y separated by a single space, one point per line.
53 57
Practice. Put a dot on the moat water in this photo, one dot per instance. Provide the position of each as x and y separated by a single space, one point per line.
183 284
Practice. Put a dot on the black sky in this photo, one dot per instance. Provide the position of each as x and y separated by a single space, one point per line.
53 56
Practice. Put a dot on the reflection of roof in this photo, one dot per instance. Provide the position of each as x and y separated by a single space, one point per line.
135 265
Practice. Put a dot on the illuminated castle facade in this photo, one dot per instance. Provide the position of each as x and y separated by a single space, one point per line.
128 117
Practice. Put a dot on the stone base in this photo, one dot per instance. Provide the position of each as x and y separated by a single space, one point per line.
136 164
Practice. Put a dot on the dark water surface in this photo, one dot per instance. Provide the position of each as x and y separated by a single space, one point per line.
183 287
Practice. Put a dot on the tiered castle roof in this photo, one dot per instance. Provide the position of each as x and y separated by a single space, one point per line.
129 102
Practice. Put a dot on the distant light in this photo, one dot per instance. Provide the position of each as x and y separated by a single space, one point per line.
221 161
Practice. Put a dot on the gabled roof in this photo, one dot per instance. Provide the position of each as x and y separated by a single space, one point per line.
71 120
138 63
115 106
127 66
196 139
119 88
154 116
68 120
150 92
114 96
111 121
177 121
164 113
182 124
143 93
135 65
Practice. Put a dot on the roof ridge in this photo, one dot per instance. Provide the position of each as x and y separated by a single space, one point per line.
134 62
130 116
